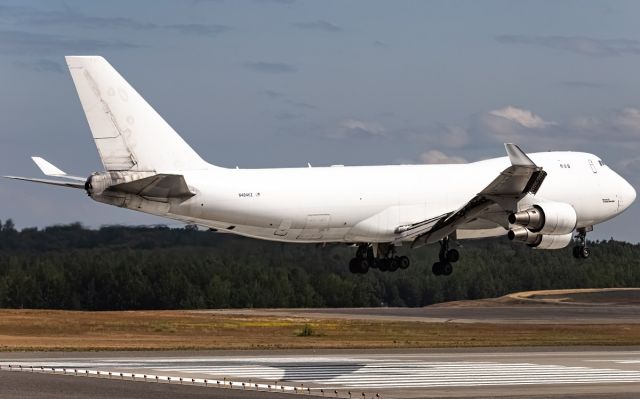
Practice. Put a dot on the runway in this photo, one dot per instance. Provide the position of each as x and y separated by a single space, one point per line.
401 374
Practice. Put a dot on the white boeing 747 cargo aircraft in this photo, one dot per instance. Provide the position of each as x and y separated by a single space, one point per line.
538 199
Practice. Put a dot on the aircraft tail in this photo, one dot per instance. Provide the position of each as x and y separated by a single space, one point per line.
129 133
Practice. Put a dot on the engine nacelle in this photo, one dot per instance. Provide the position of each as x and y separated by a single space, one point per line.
554 241
525 236
539 241
547 218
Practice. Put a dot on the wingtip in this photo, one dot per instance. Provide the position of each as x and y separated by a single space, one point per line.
517 156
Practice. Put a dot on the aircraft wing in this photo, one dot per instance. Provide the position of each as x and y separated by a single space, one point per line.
510 186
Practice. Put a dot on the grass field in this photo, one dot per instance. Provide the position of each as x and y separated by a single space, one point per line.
47 330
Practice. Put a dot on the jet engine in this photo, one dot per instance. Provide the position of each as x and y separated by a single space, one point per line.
555 218
539 241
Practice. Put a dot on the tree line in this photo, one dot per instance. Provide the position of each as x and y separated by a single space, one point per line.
118 267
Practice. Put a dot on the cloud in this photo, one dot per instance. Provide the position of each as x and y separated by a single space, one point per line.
619 127
20 15
451 136
25 43
627 120
521 116
41 65
615 129
577 44
629 167
270 67
435 156
353 128
517 125
318 25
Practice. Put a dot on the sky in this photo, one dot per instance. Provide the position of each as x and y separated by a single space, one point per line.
273 83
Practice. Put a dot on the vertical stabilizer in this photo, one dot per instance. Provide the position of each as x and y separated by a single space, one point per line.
129 133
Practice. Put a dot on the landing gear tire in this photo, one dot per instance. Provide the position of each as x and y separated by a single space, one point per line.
394 264
359 266
576 251
353 265
437 268
585 252
404 262
442 269
383 265
363 266
452 256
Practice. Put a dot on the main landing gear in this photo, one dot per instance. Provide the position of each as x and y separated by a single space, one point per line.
581 251
447 256
383 258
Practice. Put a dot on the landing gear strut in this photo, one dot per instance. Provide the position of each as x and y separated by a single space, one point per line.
383 258
446 257
581 251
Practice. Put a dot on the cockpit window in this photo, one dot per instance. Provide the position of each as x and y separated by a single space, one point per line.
600 162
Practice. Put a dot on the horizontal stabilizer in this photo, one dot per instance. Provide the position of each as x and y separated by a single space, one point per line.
157 186
51 170
71 184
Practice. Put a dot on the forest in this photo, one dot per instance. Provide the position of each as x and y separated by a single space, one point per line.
156 267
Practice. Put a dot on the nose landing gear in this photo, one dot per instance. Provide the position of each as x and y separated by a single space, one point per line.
581 251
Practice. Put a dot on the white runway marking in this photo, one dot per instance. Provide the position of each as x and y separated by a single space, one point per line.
419 374
371 372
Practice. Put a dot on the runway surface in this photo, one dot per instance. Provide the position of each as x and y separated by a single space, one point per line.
406 373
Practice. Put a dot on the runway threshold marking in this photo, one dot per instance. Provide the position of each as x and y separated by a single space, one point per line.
366 372
421 374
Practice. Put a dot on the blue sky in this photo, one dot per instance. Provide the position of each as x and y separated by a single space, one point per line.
266 83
